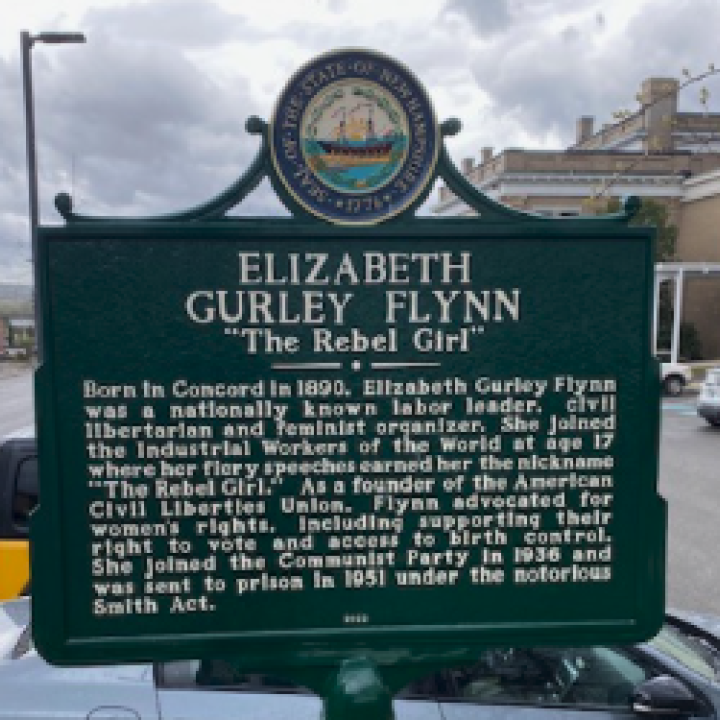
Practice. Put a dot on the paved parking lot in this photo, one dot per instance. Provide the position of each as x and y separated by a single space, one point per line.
690 481
16 403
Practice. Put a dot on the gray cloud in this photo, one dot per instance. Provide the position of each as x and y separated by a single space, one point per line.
134 125
140 129
486 17
131 126
337 6
14 248
190 23
431 55
127 122
549 78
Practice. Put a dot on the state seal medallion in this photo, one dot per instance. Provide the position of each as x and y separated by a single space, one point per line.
354 138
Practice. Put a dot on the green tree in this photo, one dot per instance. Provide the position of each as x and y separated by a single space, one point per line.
653 213
656 214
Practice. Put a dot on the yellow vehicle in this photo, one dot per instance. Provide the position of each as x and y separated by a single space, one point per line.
18 496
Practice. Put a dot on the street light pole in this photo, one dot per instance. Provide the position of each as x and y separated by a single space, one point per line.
26 42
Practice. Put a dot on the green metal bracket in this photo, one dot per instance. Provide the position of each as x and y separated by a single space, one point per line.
261 168
357 692
216 208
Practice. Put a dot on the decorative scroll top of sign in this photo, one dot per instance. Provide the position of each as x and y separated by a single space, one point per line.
339 444
354 137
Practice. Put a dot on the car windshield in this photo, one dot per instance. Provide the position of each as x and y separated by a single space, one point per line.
691 652
595 676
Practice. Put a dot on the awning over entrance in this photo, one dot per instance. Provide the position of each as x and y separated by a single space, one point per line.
677 272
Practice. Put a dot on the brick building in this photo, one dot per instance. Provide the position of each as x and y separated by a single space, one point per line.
658 153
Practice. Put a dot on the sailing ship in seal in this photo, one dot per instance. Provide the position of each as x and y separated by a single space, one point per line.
355 139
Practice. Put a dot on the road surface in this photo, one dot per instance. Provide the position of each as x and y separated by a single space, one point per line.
690 482
16 398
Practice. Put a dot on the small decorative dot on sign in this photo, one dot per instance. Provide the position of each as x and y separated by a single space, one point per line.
356 365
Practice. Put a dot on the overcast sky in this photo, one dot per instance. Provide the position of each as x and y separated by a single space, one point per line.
148 116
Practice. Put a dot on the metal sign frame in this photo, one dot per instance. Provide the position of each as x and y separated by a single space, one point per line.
311 653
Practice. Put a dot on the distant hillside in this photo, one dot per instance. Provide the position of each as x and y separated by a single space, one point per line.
16 298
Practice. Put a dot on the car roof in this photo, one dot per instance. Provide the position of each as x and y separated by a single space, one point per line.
21 433
14 619
14 613
703 621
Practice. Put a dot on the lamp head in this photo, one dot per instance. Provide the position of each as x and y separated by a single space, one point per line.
58 38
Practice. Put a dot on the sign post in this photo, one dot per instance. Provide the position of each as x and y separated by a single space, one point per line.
337 444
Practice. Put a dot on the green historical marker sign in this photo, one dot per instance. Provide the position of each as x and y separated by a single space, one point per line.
293 441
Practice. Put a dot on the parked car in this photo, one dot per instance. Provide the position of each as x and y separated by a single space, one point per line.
674 675
708 404
675 377
15 352
18 496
